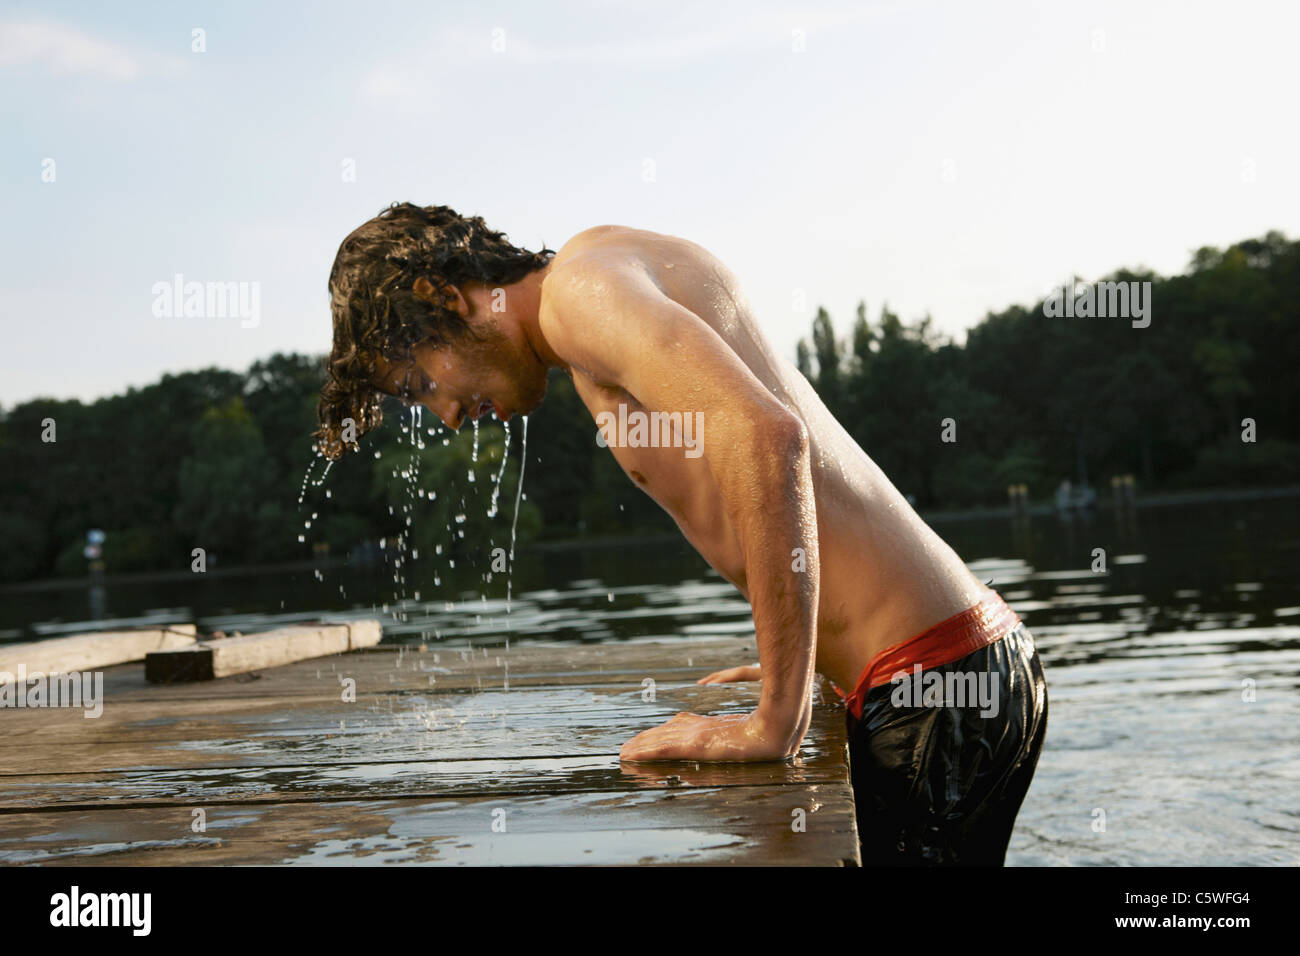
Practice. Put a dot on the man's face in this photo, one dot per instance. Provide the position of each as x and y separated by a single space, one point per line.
467 379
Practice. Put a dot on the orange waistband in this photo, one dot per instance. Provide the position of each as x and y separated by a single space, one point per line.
964 633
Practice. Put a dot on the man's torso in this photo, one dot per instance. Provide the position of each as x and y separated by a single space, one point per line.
885 575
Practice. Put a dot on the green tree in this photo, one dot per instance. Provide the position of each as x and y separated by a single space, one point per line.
222 483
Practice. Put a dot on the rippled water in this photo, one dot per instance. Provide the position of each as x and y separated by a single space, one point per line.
1173 677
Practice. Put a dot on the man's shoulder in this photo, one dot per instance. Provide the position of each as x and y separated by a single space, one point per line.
588 249
601 287
593 258
598 233
591 247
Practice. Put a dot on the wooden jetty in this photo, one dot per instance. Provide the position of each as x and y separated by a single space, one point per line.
472 755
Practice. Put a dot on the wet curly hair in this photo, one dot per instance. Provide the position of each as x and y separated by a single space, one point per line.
377 313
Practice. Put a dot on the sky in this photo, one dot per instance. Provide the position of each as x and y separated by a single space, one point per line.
948 159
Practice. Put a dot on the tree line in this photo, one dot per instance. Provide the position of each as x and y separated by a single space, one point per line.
1037 399
216 459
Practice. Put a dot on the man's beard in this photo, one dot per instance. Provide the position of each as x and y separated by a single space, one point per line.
531 397
520 368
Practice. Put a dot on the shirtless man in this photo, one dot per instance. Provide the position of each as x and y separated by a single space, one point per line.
843 576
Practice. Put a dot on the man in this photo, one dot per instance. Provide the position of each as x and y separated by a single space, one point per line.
843 576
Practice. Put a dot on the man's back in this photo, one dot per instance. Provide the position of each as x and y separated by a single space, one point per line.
884 574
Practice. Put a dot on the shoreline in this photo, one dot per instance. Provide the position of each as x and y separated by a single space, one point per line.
1161 500
1158 500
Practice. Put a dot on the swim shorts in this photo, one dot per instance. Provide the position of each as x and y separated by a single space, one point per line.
944 733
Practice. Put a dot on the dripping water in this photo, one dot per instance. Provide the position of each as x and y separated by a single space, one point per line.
302 491
505 458
510 577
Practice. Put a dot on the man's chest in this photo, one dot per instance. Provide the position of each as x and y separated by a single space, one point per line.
662 451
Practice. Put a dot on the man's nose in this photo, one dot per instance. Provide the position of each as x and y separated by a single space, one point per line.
453 416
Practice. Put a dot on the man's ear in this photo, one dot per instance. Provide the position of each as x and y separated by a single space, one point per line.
445 295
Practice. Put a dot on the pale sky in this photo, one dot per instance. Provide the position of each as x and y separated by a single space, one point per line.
949 158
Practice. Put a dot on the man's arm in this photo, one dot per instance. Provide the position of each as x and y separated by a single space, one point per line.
610 320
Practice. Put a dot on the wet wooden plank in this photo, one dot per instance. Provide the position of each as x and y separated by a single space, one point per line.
207 660
89 652
303 768
477 759
424 780
532 722
798 825
440 667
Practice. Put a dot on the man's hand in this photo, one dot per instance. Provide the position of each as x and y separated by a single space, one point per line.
744 672
734 737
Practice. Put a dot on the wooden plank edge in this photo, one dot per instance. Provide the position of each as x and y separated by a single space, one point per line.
85 652
207 660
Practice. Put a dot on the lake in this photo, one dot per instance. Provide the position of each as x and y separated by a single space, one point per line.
1173 675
